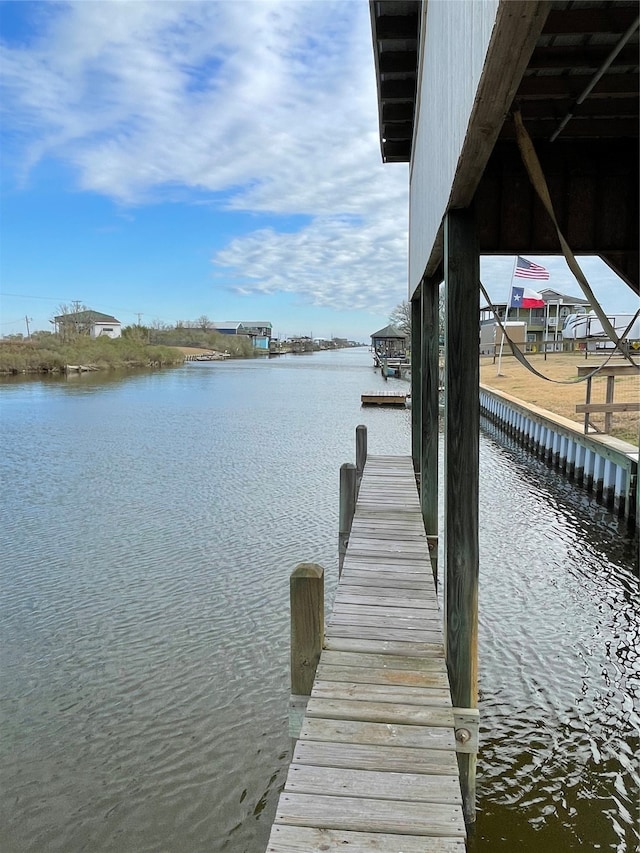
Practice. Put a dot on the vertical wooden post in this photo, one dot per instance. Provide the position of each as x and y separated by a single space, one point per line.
462 424
429 360
587 401
347 508
608 416
306 593
361 453
416 380
306 596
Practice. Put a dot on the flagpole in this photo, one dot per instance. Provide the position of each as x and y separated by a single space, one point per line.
506 316
546 328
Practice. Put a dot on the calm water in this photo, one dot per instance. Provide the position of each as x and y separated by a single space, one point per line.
149 526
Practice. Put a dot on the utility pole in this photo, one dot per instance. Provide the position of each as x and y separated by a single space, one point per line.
26 319
138 315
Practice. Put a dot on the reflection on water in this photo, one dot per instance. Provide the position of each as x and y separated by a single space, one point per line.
560 666
149 525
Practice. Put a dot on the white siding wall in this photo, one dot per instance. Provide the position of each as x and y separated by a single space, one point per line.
110 330
455 40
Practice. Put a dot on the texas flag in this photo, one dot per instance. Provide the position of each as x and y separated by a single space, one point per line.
523 297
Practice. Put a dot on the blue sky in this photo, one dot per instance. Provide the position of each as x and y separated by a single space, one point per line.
166 160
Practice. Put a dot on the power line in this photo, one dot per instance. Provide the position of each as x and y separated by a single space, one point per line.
66 299
27 296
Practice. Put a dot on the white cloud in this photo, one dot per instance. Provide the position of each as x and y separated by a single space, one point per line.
265 106
271 104
334 262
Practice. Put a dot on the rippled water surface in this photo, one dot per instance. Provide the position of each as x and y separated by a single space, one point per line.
149 526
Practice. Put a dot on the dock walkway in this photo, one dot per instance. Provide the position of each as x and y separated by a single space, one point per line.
375 767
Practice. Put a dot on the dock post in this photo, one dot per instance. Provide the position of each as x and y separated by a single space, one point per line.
429 412
361 453
347 509
306 596
462 427
416 383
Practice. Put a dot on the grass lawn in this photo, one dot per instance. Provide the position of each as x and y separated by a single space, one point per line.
516 380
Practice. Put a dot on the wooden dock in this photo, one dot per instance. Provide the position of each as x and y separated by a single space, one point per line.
375 766
384 398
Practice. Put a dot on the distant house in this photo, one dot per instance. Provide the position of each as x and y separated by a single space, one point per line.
389 341
542 324
258 330
92 323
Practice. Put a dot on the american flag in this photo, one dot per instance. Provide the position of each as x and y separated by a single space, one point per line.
527 269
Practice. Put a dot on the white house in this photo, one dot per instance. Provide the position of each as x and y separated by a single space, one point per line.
93 323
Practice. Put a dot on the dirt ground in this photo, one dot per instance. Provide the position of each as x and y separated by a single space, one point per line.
195 350
516 380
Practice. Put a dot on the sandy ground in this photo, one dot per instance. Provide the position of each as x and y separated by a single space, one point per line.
516 380
195 350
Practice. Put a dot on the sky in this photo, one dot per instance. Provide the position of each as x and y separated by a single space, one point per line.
164 161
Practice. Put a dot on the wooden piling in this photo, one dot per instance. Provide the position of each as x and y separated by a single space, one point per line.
348 490
416 382
462 416
306 594
430 410
361 453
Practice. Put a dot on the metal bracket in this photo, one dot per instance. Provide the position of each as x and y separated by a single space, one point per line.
297 710
465 725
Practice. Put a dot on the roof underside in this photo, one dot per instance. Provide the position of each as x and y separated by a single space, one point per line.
578 96
581 81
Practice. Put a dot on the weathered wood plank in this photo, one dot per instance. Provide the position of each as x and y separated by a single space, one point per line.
395 582
392 647
400 610
399 677
410 695
304 839
390 530
379 712
387 634
428 620
360 756
373 784
369 815
375 563
383 661
385 598
380 734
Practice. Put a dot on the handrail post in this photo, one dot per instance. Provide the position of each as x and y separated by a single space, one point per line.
306 596
347 509
361 453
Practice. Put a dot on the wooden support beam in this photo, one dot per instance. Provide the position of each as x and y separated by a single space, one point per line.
416 380
462 424
430 351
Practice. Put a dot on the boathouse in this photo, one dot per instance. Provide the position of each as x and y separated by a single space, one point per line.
258 331
519 122
389 342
